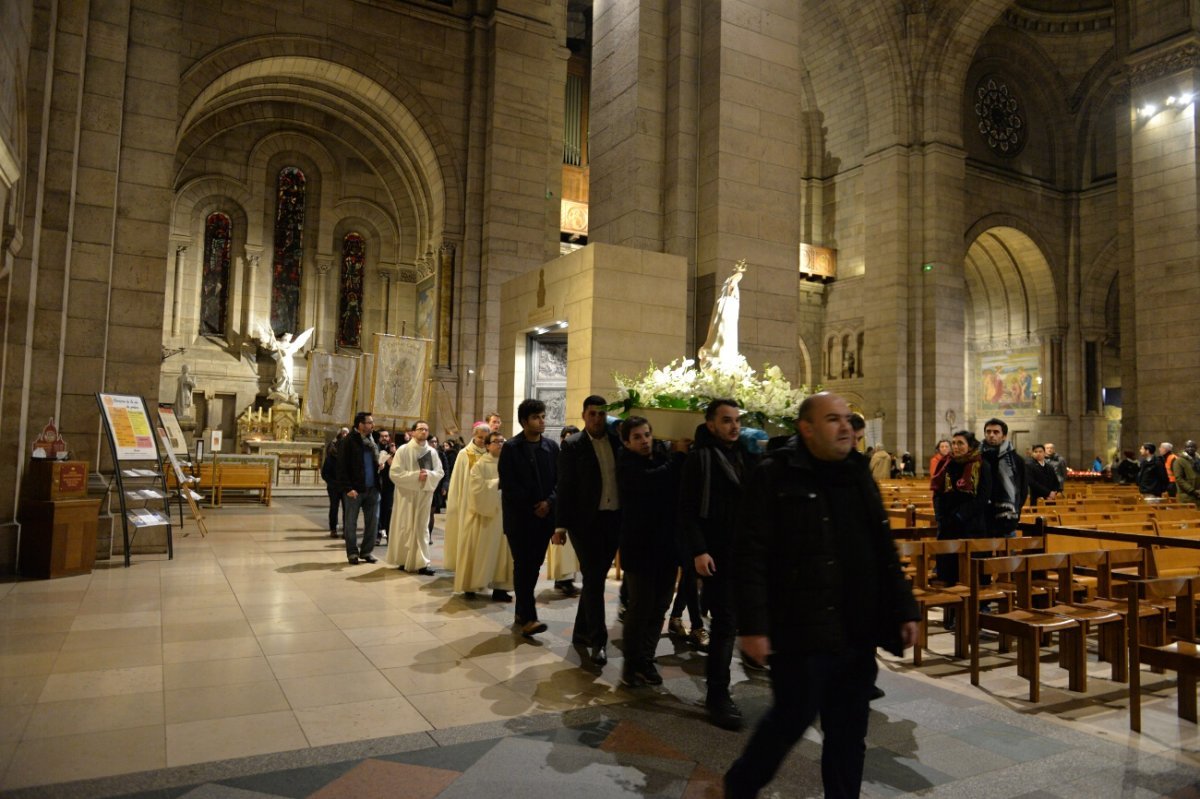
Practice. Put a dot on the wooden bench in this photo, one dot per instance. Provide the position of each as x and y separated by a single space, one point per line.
249 477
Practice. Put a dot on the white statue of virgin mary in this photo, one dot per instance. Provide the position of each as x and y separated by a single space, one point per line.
722 342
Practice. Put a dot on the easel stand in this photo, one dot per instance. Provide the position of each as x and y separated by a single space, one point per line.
138 473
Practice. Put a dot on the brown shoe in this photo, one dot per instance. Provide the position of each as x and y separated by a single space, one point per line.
532 628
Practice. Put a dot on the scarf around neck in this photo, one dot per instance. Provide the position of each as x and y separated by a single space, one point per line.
972 468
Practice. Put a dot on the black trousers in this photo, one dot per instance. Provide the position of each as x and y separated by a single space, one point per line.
649 597
528 551
596 545
719 589
835 687
335 505
688 594
387 497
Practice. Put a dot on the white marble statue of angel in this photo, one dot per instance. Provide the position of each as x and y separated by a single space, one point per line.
283 349
722 341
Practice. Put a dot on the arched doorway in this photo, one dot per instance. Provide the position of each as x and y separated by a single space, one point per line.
1014 344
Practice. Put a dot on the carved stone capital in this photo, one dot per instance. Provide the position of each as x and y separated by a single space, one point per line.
407 275
253 257
324 265
180 250
1172 62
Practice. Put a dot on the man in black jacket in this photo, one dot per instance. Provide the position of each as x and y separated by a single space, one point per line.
1043 480
710 498
649 481
359 480
819 588
589 511
527 478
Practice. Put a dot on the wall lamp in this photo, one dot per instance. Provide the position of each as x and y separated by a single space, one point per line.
1174 101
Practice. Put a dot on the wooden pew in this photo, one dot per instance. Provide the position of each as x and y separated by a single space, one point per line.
241 477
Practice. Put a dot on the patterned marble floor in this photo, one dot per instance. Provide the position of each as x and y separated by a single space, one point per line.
259 663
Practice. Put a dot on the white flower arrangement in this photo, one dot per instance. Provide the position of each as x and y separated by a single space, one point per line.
680 385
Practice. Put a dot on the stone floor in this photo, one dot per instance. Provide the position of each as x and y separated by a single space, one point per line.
259 663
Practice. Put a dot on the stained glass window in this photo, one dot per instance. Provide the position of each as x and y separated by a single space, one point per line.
214 285
354 254
289 251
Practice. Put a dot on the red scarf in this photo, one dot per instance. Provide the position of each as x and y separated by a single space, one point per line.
968 481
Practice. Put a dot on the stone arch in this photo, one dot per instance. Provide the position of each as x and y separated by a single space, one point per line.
1010 287
1096 97
805 362
196 195
416 138
323 181
1096 286
1039 84
943 73
383 227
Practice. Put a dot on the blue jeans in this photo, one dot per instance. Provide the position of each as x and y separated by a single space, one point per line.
835 687
368 503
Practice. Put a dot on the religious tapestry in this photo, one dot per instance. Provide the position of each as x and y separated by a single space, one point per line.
1009 380
398 388
350 304
214 287
329 395
289 252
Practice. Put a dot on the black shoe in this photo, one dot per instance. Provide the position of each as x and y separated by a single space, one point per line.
724 713
876 693
750 664
353 560
567 588
334 534
599 655
428 572
501 596
468 594
649 674
401 568
369 558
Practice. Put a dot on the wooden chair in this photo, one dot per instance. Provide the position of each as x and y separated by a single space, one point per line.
1181 656
927 598
1029 627
1109 625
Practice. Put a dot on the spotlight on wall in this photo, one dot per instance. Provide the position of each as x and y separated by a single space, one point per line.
1185 99
562 325
1147 110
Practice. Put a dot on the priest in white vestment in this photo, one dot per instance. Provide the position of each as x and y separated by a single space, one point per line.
485 558
456 494
416 471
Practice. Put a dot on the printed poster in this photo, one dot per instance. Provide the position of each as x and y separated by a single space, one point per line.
132 433
174 433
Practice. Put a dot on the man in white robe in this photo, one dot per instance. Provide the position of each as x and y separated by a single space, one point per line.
486 558
416 471
456 494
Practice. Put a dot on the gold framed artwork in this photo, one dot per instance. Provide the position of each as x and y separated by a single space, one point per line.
1010 380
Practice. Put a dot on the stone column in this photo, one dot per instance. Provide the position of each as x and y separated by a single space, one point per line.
177 305
321 313
248 320
1165 211
445 299
386 277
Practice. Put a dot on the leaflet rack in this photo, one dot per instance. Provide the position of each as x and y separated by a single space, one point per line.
139 474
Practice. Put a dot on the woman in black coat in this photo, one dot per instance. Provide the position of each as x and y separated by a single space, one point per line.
329 475
963 487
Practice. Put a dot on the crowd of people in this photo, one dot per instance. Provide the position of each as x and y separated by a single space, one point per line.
787 551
